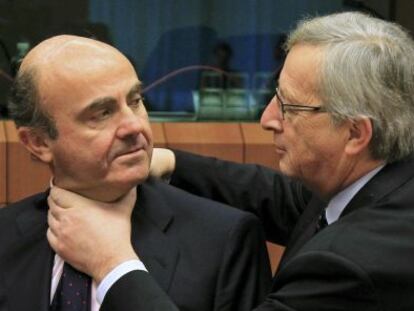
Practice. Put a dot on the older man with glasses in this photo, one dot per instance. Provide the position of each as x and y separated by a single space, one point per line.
343 126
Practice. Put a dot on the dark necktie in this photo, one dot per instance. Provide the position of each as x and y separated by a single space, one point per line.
322 222
73 292
307 226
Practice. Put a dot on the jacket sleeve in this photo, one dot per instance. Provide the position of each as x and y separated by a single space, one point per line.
276 200
136 291
322 281
244 278
317 281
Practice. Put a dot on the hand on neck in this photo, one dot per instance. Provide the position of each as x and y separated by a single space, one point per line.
93 236
94 194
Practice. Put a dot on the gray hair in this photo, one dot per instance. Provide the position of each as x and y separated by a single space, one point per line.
367 71
24 105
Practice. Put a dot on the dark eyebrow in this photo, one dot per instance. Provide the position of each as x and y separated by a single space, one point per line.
108 102
99 103
135 89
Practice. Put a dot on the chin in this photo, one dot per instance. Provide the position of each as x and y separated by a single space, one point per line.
119 189
286 169
283 167
132 180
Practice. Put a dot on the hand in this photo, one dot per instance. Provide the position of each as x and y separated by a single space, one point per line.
94 237
162 163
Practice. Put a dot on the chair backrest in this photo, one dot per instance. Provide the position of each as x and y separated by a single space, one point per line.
237 97
211 80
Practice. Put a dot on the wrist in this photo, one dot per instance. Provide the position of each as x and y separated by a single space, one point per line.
101 270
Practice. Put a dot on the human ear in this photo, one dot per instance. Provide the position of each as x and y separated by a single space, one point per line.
360 135
37 142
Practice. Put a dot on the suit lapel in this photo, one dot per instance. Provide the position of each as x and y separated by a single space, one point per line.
151 220
29 263
304 229
390 178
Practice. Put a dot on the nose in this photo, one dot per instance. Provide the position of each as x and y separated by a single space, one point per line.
272 119
130 124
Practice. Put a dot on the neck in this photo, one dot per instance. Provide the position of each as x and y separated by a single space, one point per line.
109 197
102 195
348 176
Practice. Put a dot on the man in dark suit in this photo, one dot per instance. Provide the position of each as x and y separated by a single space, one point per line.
343 204
78 107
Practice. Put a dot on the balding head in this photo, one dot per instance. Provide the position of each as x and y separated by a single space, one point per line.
65 48
86 96
64 56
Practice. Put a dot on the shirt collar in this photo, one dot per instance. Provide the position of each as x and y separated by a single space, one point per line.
338 203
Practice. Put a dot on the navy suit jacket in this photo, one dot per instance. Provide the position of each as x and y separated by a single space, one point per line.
363 261
202 255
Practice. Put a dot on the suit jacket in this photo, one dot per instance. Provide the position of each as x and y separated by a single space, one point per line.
363 261
203 256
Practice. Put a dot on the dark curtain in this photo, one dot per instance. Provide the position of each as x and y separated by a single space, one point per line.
161 36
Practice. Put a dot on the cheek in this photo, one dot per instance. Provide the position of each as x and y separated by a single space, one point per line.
319 149
298 154
92 147
304 147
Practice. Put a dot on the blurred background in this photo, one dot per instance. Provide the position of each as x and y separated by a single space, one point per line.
198 59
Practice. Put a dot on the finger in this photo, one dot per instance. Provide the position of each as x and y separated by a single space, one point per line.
52 239
53 223
54 209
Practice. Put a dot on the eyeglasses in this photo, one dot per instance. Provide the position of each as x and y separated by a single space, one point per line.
288 107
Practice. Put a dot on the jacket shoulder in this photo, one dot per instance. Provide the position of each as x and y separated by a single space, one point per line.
16 207
194 207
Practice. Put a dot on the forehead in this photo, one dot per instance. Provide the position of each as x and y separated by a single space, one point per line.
301 69
79 59
76 76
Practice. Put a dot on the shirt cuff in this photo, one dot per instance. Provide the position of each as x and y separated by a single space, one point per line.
113 276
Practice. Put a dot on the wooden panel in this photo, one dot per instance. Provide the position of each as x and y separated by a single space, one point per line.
25 176
258 145
221 140
158 133
3 168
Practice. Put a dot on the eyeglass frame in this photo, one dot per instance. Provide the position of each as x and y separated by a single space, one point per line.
291 107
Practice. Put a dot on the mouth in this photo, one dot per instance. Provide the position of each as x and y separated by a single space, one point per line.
131 152
280 150
136 150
